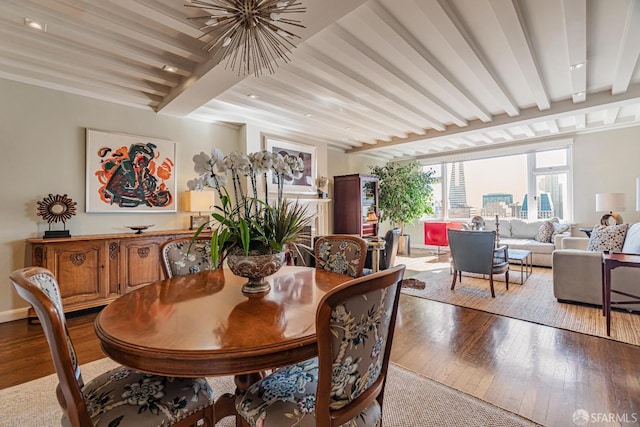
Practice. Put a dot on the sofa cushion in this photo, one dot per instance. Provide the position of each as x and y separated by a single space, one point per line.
545 232
524 230
560 228
632 240
504 227
529 245
607 238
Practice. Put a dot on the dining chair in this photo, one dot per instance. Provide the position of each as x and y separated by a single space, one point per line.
344 385
476 252
341 253
121 396
181 257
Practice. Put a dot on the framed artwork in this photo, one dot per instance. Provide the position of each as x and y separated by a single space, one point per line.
129 173
304 184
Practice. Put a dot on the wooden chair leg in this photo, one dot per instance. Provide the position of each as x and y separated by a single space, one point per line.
455 277
493 293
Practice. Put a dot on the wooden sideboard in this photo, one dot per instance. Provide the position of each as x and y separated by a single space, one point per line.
95 269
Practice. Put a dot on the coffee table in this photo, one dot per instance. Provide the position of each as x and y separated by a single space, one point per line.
525 259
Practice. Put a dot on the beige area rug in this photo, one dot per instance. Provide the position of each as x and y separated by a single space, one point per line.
533 301
410 400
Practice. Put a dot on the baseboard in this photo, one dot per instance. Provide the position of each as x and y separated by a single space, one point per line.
11 315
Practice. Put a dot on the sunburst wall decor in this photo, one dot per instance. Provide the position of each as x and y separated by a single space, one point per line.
57 209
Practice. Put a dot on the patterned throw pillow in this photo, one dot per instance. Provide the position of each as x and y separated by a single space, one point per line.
607 238
545 232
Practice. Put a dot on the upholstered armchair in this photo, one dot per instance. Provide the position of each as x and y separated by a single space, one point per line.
180 256
344 254
344 385
121 396
475 252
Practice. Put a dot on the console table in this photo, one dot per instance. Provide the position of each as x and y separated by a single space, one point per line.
611 261
93 270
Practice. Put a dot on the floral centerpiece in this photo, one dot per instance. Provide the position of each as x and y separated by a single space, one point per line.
246 222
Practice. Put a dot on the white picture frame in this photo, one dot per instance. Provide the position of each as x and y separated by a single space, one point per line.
307 183
129 173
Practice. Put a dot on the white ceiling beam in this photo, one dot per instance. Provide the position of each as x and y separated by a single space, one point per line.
581 120
552 125
373 61
403 42
513 26
442 16
350 80
611 115
575 22
629 50
564 108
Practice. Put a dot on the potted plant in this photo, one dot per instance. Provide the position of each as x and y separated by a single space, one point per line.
250 231
404 195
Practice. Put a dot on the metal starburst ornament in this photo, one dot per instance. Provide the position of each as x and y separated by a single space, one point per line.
251 34
56 208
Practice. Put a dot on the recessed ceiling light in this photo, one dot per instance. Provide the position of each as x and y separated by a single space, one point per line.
253 96
170 68
347 128
307 115
577 66
35 25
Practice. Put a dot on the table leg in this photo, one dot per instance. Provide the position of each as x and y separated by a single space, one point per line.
607 296
375 260
225 405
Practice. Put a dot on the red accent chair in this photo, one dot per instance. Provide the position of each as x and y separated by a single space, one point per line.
435 233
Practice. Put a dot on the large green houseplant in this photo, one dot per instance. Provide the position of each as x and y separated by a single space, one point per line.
404 194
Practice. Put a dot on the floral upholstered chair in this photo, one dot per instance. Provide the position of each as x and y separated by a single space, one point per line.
344 385
120 397
179 259
342 254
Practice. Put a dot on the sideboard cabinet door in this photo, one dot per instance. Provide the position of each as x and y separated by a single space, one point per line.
80 270
139 263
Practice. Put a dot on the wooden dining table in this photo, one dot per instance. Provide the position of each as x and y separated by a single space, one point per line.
202 325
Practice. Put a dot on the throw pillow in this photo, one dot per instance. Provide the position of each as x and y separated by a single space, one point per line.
632 240
545 232
607 238
560 228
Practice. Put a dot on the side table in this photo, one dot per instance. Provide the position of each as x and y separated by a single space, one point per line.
524 257
611 261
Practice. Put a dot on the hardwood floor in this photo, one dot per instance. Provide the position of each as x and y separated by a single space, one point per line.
541 373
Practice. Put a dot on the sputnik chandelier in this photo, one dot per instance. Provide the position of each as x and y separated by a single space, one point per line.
251 33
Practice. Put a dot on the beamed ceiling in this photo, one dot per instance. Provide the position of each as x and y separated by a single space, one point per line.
390 78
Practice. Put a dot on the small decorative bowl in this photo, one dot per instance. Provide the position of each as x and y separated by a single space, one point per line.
139 228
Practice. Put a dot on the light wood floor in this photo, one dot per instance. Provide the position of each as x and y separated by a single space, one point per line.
541 373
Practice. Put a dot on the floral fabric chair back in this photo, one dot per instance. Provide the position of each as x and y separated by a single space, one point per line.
344 385
178 259
119 397
341 254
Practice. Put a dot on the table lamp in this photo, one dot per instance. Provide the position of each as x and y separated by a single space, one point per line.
199 201
610 202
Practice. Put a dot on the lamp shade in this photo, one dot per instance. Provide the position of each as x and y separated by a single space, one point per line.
199 201
610 202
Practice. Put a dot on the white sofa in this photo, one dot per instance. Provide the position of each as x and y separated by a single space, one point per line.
577 273
519 234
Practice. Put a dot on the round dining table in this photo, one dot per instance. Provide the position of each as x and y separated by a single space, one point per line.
203 325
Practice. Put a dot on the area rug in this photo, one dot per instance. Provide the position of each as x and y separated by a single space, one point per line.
533 302
410 400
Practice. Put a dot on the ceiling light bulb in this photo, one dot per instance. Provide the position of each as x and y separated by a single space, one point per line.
281 5
252 96
226 42
212 22
275 16
169 68
578 94
577 66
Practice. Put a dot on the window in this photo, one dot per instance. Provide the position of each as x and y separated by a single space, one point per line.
504 186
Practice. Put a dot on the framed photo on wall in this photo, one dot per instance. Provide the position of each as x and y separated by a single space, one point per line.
304 184
129 173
